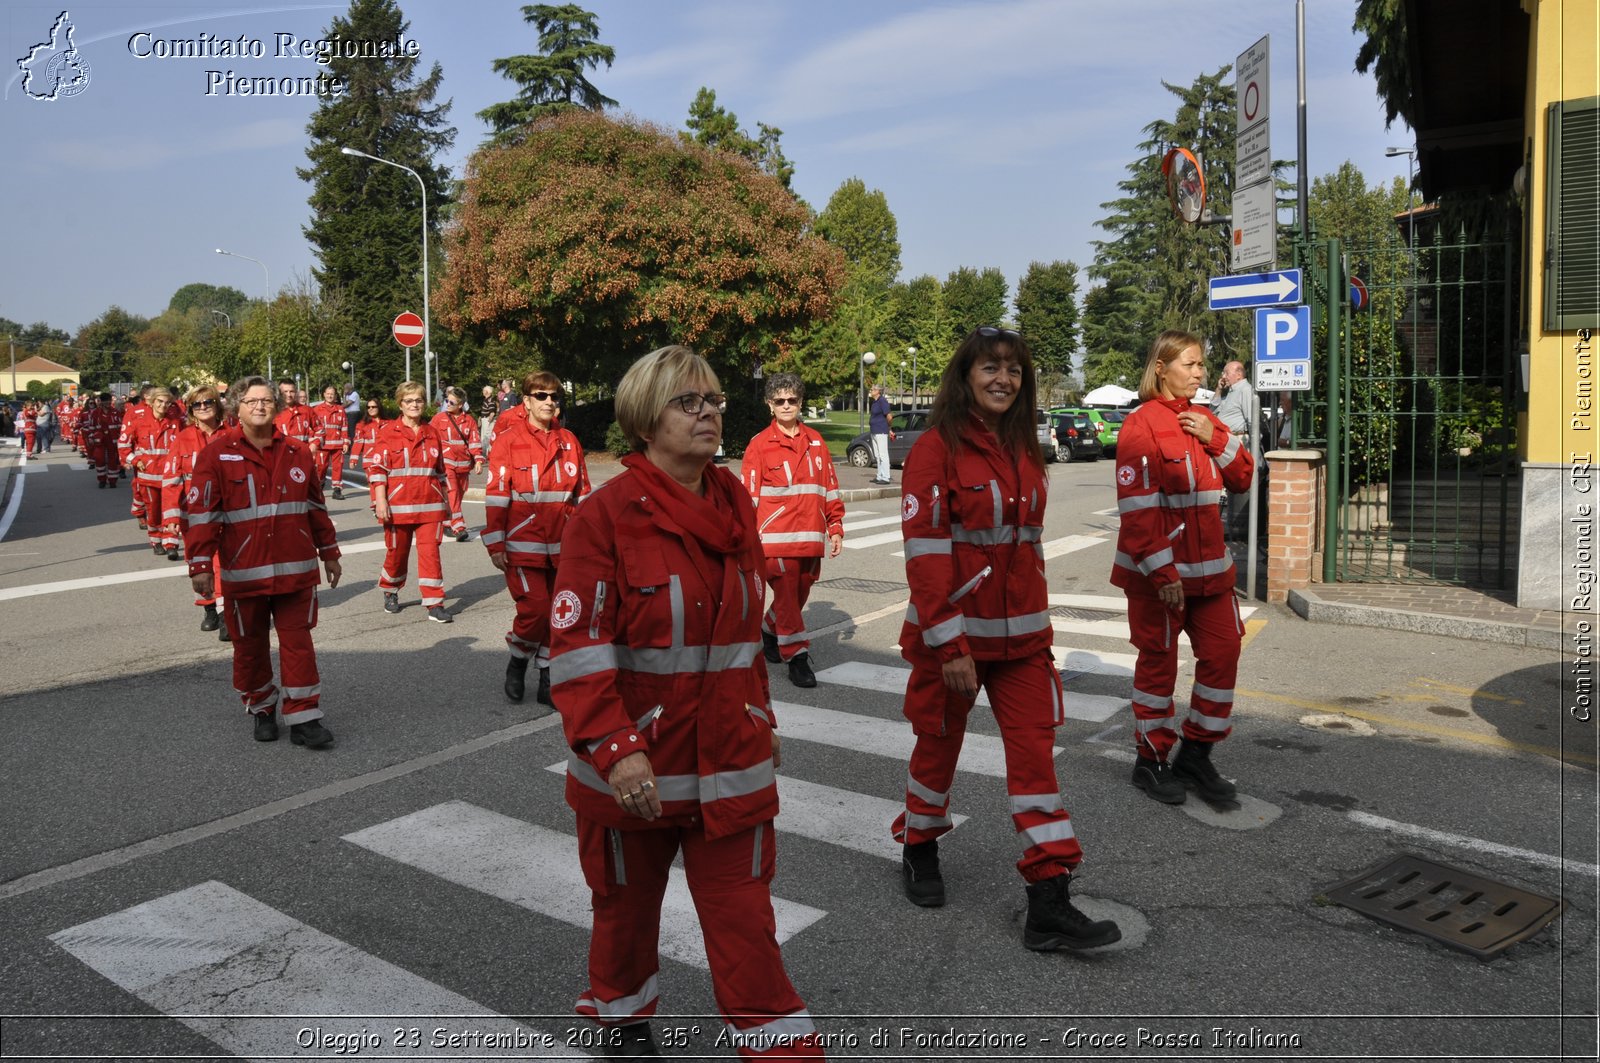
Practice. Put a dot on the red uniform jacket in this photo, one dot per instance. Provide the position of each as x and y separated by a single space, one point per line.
412 470
300 424
182 453
144 442
973 522
1169 485
261 513
792 482
656 646
364 436
459 434
332 430
98 426
536 479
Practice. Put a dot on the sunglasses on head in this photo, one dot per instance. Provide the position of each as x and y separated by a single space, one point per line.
989 332
541 396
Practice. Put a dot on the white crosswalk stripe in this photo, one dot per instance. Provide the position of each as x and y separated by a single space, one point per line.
980 754
537 869
238 972
892 680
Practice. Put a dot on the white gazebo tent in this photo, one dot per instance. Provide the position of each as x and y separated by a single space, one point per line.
1110 395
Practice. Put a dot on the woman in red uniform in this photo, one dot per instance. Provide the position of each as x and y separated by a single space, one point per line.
27 427
972 512
789 474
145 440
537 476
463 454
365 433
405 473
1174 460
657 671
205 421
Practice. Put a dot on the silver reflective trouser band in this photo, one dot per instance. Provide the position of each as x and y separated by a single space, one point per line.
624 1008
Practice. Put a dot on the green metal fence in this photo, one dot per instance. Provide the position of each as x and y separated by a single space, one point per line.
1415 403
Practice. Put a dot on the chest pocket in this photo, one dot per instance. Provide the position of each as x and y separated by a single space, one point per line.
1178 473
651 606
524 479
977 503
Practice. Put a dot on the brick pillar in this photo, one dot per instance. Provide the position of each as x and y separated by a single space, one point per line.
1294 520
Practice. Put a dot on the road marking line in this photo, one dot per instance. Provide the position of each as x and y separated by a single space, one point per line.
1467 691
875 522
1492 741
857 621
1252 628
1462 841
536 868
1070 544
16 499
35 469
874 540
241 974
88 865
1112 512
980 754
889 679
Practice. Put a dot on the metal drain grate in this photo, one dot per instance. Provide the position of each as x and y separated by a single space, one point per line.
1068 612
863 586
1459 909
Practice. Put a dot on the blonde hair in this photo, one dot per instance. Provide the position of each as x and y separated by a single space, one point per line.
1166 347
159 393
204 391
409 387
652 381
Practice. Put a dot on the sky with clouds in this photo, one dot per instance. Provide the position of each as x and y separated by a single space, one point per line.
996 128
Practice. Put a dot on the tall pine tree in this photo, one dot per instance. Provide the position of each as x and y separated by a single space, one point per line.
367 217
553 80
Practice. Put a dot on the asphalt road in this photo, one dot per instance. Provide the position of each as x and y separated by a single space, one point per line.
168 887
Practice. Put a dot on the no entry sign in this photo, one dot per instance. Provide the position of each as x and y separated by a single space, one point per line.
408 329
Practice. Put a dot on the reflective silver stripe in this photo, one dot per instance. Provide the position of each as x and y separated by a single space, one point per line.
1229 452
1134 503
728 784
971 584
303 692
623 1007
1208 723
430 582
427 507
733 655
287 568
780 1033
411 470
916 822
999 509
794 489
756 711
514 546
666 660
1195 498
575 664
926 547
498 501
1158 723
489 538
932 797
1009 626
1156 560
675 593
790 640
1214 567
982 536
271 509
1216 694
540 497
1151 701
1030 533
204 517
832 496
1057 830
793 537
948 631
670 787
1021 803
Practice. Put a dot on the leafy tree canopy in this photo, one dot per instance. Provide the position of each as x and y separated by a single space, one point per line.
106 349
207 297
555 79
597 240
973 298
1383 25
860 223
1047 313
715 127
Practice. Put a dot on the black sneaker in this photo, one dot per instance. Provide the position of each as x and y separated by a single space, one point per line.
161 551
800 673
172 553
222 634
769 648
338 494
633 1041
465 536
391 603
1053 923
543 696
1192 767
919 869
311 735
516 679
211 621
1157 780
440 615
266 727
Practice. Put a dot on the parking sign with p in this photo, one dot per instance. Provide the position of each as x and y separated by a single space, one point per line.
1283 349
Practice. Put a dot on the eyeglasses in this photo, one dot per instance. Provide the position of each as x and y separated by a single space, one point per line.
692 404
784 402
415 401
257 402
542 396
202 404
989 332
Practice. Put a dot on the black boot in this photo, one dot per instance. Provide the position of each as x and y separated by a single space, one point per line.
633 1041
1157 780
919 868
172 553
543 696
1192 767
769 647
211 621
338 494
800 673
1053 923
516 678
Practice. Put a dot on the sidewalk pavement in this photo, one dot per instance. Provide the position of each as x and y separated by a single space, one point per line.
1458 612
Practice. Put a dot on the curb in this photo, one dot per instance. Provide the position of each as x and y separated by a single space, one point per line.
1310 606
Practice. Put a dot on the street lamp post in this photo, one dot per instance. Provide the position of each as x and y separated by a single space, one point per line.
912 351
866 360
224 315
268 278
350 368
900 380
427 339
1411 228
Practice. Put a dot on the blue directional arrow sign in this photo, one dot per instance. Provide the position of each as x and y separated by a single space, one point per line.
1278 288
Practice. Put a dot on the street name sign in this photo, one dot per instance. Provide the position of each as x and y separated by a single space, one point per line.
1240 291
1283 349
1255 227
408 329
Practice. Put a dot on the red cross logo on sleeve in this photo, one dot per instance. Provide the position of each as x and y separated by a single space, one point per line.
565 610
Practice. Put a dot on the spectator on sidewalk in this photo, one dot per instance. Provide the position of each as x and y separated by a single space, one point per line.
879 421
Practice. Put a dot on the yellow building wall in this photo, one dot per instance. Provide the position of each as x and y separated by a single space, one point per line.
24 378
1563 64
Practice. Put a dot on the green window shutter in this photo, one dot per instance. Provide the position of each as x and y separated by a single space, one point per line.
1572 233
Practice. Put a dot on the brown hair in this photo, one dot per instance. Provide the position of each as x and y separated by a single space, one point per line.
1166 347
540 380
953 407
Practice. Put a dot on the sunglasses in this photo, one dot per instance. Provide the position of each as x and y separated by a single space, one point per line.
203 404
784 402
542 396
989 332
372 409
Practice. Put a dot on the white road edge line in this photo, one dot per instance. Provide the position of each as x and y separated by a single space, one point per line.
1462 841
16 500
856 621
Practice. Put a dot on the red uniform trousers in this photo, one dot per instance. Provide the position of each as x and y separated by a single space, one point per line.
1216 633
455 481
790 579
330 462
1020 692
397 540
28 436
103 456
250 622
531 590
757 1001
